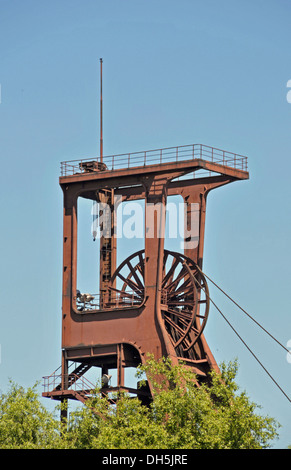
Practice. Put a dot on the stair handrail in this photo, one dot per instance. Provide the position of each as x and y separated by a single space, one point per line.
54 380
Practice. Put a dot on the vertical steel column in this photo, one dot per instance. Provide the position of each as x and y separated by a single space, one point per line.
194 224
120 365
69 255
64 386
155 221
107 243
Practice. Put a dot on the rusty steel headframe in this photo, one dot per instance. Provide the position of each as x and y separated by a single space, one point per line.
162 304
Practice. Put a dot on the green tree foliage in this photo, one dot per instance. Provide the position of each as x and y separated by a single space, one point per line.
24 422
182 416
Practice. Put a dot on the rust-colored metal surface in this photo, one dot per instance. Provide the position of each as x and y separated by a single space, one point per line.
156 300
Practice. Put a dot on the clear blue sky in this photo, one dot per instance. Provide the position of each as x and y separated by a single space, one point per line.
175 73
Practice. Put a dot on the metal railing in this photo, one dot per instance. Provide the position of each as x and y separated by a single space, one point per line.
157 156
74 382
107 300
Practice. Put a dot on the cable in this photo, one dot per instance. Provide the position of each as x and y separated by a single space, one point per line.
244 311
252 353
272 378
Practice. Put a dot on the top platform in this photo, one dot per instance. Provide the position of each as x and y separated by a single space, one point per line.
198 156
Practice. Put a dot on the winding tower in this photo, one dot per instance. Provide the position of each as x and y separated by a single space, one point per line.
156 301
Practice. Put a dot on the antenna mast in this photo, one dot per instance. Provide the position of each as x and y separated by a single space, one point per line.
101 115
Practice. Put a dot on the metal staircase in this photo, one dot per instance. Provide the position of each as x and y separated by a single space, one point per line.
73 385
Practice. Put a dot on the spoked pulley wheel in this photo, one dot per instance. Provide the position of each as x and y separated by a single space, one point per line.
185 302
126 287
184 296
